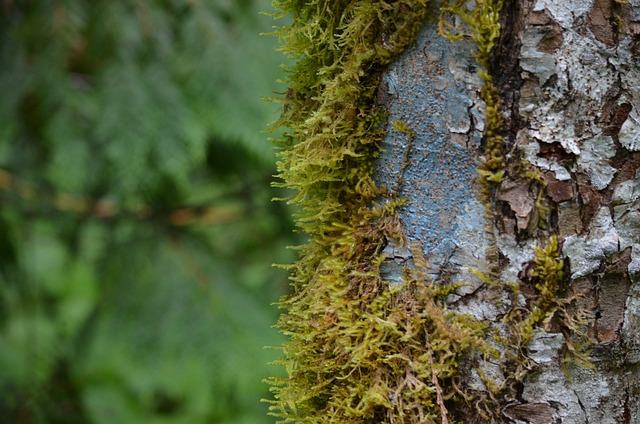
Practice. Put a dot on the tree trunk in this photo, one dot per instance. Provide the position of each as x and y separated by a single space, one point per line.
569 83
493 275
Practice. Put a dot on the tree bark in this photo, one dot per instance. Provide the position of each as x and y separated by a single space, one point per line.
568 77
486 270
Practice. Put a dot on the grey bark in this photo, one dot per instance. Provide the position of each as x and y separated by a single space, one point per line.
569 76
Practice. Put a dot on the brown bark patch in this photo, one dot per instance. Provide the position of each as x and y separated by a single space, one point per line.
569 220
556 150
614 289
552 39
583 294
540 17
530 86
613 116
559 191
599 22
532 413
627 165
505 63
520 202
631 18
590 200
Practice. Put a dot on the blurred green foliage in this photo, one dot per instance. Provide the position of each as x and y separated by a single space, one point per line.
136 228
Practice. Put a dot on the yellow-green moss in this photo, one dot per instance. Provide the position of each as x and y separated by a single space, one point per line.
548 309
357 346
362 350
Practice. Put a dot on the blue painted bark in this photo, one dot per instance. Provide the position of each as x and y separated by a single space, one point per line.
433 89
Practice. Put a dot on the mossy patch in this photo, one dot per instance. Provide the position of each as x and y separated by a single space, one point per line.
360 349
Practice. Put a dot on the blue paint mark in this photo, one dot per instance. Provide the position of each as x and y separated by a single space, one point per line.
439 179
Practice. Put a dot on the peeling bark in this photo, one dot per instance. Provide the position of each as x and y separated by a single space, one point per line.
569 81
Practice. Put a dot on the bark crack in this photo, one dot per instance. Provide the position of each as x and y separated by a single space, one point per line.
584 411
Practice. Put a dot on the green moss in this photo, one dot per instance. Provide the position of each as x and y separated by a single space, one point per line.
618 11
547 275
549 310
374 353
357 345
362 350
402 127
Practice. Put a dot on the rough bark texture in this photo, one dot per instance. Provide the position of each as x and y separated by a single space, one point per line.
434 89
569 80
